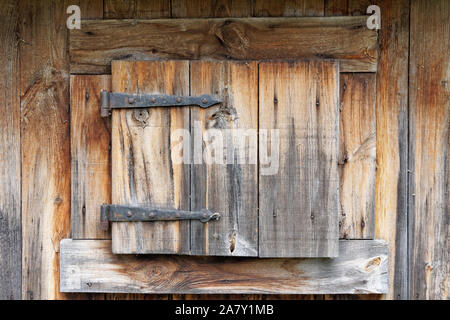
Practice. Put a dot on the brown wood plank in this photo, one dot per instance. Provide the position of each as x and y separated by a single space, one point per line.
299 201
288 8
143 170
357 156
89 266
345 38
90 153
228 184
136 9
429 98
211 9
10 222
44 84
392 146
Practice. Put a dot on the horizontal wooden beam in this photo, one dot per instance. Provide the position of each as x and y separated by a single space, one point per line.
89 266
98 42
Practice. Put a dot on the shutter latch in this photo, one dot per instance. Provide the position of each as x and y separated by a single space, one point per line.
122 213
115 100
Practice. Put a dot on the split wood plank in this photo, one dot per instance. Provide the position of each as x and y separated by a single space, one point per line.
288 8
344 38
143 171
136 9
10 218
44 85
299 200
229 183
90 136
89 266
429 150
357 156
211 8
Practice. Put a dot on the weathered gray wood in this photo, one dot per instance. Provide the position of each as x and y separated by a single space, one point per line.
299 202
429 161
89 266
143 170
357 156
211 8
90 152
10 219
288 8
228 185
345 38
392 141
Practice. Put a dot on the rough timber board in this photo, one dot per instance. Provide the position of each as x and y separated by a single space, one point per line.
299 202
344 38
89 266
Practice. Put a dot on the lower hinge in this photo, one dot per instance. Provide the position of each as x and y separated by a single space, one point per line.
116 100
123 213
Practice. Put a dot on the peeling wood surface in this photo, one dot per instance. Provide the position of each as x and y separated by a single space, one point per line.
88 265
345 38
10 222
429 98
90 136
299 202
357 156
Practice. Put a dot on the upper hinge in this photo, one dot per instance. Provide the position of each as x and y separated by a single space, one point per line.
115 100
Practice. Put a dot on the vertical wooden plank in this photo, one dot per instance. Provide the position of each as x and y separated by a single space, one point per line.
211 9
228 184
10 224
44 84
143 169
91 164
299 201
288 8
136 9
429 98
357 156
392 141
336 7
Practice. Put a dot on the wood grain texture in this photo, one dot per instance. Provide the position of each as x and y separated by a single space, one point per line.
136 9
44 83
90 155
345 38
288 8
89 266
429 98
211 8
10 222
392 146
299 202
229 184
357 156
143 170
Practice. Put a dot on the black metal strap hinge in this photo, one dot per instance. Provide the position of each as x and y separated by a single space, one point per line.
114 100
122 213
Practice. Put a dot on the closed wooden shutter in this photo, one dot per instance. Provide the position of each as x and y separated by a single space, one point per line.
272 176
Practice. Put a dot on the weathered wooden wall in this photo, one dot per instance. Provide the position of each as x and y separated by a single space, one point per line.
412 120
